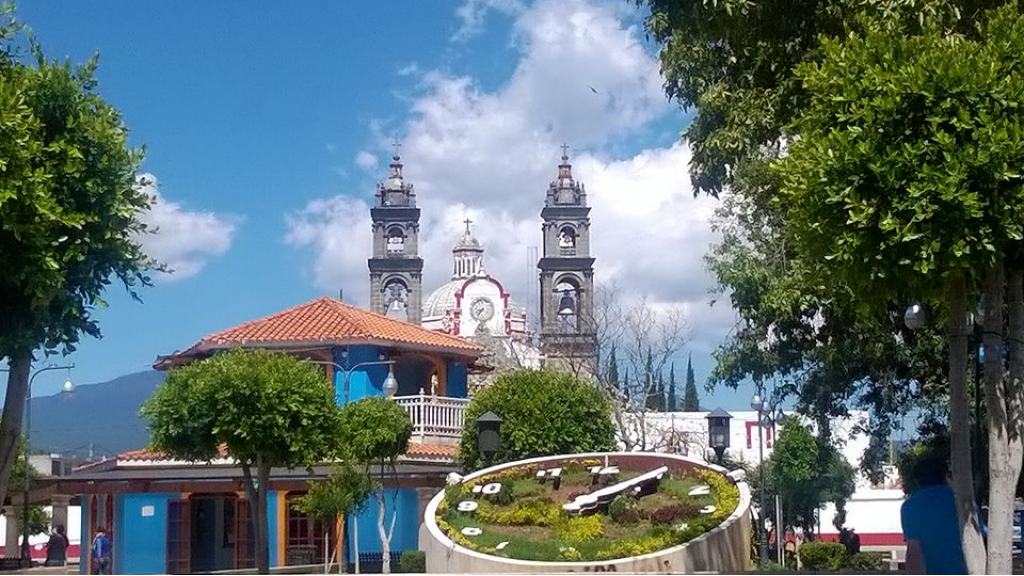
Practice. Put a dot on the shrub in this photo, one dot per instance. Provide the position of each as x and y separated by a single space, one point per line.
863 561
544 413
537 512
504 496
570 554
413 561
620 506
728 493
636 547
822 555
581 529
673 512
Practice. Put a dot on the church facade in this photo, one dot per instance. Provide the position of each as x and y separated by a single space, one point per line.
474 304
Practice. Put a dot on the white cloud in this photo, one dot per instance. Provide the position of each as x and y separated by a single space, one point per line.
490 155
183 240
366 161
471 13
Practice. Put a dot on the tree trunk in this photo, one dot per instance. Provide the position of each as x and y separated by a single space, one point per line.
385 541
257 496
1003 400
960 426
14 410
340 546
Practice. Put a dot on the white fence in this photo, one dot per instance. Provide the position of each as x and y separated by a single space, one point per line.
435 415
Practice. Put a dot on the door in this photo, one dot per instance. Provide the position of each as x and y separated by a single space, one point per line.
245 543
179 537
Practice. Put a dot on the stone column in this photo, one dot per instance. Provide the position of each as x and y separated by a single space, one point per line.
60 510
423 497
13 515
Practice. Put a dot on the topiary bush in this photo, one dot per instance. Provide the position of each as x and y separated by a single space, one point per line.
544 412
822 555
413 562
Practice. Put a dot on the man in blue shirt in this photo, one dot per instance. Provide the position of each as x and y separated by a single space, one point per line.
930 524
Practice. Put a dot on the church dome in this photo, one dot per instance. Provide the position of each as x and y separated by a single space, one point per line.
442 300
467 242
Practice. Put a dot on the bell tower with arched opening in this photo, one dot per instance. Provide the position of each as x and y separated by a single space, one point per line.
568 330
396 269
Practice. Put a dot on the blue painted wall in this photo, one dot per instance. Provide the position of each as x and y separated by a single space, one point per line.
406 534
457 376
272 536
140 542
366 380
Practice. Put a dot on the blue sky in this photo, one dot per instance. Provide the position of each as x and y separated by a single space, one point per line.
267 124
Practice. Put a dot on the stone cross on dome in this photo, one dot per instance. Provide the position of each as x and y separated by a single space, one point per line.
467 222
397 145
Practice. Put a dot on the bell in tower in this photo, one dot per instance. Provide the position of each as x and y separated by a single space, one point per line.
396 269
568 330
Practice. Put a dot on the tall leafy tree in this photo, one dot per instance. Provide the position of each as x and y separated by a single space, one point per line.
267 409
691 401
660 400
375 432
807 472
544 413
69 213
919 193
671 401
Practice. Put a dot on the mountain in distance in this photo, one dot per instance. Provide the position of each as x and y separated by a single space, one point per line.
97 420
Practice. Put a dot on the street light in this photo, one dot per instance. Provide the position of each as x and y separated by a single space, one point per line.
66 390
718 431
488 438
757 404
390 387
916 319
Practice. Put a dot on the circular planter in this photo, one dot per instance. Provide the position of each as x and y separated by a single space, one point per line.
725 548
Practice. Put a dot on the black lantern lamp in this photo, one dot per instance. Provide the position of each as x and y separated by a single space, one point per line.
488 438
718 431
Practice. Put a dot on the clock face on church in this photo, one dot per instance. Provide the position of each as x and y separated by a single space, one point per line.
586 508
481 309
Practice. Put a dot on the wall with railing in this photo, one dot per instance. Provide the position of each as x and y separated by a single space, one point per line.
435 416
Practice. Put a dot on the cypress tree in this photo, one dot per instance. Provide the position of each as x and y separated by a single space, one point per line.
672 406
691 402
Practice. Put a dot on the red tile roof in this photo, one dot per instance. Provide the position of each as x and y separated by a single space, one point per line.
414 452
326 321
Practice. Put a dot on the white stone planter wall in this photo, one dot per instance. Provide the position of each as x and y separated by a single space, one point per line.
725 549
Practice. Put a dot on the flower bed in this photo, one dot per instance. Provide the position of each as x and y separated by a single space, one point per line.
515 514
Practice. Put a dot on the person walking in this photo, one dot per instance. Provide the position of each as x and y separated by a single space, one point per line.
102 553
930 525
57 548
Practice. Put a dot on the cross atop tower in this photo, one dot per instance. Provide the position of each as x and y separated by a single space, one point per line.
397 145
467 222
565 151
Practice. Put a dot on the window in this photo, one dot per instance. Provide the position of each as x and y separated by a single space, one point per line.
395 242
567 241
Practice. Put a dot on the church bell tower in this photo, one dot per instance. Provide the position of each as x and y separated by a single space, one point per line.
396 269
568 329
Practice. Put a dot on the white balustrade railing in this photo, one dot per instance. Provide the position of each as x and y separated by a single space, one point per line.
434 415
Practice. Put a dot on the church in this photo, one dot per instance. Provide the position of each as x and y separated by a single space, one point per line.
474 305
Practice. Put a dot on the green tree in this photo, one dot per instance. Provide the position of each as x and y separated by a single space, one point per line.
69 213
806 472
671 401
612 375
919 193
268 409
544 413
375 432
345 493
650 383
691 401
660 401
